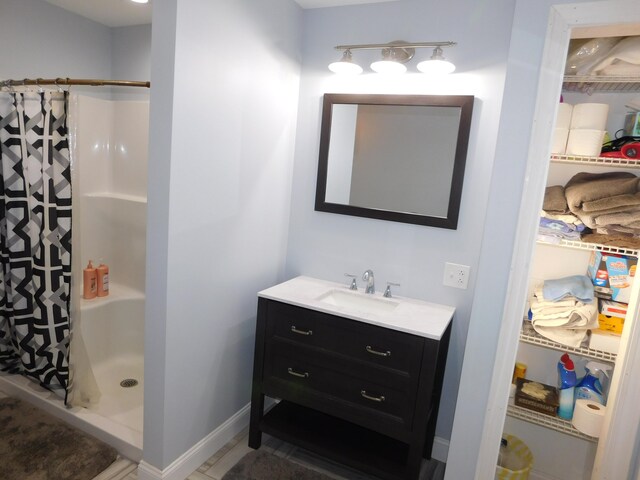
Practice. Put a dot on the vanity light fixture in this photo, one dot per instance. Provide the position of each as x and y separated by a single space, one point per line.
393 60
394 55
345 65
437 64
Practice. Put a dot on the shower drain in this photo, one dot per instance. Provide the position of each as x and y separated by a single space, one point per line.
129 382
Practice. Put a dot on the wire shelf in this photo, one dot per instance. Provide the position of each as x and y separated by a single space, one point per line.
591 84
597 161
547 421
576 244
530 336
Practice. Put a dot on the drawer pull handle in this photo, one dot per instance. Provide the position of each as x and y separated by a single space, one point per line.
369 397
301 332
297 374
376 352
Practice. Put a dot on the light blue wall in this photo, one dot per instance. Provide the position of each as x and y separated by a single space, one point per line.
326 245
41 40
131 59
221 152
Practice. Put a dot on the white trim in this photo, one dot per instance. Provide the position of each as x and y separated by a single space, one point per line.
611 461
189 461
440 450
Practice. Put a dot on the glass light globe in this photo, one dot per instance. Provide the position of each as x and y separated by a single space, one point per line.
342 67
388 67
436 67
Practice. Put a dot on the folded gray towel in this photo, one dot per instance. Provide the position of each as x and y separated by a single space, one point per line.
614 239
620 218
587 187
554 200
619 230
590 195
612 202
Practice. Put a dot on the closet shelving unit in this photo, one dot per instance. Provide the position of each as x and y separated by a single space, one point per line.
599 83
563 165
528 335
547 421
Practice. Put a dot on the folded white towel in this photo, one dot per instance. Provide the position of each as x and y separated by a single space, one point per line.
568 329
538 300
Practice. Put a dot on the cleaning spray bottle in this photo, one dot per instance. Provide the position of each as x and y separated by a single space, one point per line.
591 385
566 385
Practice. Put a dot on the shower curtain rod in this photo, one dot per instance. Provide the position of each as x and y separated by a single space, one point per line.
73 81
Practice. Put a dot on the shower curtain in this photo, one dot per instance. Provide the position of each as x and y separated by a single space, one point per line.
35 237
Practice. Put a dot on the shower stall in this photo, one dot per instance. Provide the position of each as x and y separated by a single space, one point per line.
108 149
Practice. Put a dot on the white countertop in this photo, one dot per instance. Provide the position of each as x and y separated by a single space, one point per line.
413 316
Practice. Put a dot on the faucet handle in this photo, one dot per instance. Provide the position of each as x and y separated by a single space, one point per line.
387 292
354 285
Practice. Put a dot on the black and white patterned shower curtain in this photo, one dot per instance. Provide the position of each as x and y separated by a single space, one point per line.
35 237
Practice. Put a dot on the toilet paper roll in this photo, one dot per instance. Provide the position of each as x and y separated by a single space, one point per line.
559 140
585 142
592 116
564 115
588 416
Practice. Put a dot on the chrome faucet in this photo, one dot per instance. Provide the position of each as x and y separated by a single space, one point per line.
367 276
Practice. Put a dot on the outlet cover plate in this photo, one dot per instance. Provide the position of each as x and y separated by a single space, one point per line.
456 275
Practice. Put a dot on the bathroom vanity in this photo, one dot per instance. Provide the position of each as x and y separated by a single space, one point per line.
358 376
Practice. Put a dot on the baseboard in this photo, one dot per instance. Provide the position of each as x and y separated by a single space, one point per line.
440 449
189 461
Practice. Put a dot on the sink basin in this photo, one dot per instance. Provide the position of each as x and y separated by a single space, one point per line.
403 314
357 301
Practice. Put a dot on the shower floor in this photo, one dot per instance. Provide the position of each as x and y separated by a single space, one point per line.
122 405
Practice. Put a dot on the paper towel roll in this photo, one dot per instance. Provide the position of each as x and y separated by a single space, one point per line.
564 115
590 116
585 142
588 416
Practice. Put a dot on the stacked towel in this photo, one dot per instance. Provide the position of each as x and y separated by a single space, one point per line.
553 231
563 309
556 221
606 202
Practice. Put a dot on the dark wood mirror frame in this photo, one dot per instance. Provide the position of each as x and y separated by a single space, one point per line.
450 221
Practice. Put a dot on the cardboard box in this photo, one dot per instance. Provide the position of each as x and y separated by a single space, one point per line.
536 396
632 124
613 309
612 275
604 341
610 324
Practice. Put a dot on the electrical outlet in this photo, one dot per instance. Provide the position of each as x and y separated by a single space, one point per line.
456 276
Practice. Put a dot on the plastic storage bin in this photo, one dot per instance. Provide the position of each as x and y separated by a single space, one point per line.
522 460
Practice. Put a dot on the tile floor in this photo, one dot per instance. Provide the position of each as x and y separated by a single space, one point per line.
222 461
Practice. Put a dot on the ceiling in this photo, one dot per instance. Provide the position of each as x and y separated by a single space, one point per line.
123 13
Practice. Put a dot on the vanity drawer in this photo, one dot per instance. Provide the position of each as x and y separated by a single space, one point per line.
305 380
368 343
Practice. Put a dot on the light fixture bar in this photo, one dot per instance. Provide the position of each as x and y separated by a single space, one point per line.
375 46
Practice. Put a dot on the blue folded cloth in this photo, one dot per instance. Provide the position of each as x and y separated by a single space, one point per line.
578 286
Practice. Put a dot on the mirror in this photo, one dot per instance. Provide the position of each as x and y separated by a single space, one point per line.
394 157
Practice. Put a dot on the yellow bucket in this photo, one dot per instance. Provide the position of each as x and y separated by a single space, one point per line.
518 449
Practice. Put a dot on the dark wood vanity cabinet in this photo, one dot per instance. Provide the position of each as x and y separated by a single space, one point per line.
360 394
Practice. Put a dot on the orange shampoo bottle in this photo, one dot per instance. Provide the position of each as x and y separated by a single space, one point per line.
90 282
103 280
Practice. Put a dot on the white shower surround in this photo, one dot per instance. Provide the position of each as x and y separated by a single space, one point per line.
109 150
